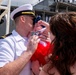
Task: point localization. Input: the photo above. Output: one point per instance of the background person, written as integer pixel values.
(63, 59)
(39, 58)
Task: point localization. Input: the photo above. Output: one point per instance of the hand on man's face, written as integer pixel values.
(40, 25)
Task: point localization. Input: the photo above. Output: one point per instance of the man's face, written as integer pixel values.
(29, 22)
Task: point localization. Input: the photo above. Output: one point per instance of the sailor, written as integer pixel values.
(14, 53)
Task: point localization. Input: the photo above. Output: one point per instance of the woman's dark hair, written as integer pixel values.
(63, 27)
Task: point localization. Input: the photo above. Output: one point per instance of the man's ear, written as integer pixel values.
(22, 18)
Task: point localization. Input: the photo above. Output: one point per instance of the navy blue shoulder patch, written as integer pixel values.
(4, 36)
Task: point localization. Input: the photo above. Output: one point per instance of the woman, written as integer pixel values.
(63, 59)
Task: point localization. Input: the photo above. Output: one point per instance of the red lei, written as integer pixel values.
(41, 52)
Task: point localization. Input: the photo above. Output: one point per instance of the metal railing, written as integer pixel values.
(6, 13)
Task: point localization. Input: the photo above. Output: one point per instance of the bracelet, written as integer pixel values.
(40, 68)
(32, 71)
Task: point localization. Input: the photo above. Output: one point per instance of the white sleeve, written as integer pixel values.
(6, 52)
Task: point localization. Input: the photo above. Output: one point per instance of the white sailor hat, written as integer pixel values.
(26, 9)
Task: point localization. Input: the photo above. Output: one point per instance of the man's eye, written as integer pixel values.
(42, 26)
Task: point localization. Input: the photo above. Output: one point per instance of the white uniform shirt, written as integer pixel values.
(11, 48)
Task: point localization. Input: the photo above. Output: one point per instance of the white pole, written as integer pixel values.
(8, 17)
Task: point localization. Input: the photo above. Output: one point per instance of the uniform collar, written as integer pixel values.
(17, 36)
